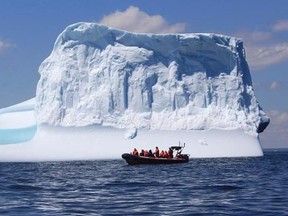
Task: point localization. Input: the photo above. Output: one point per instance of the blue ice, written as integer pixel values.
(18, 135)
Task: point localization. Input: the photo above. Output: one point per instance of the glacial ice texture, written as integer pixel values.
(97, 75)
(17, 123)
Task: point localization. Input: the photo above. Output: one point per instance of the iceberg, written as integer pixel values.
(103, 91)
(17, 123)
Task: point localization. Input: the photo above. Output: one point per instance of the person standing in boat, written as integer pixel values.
(170, 153)
(156, 153)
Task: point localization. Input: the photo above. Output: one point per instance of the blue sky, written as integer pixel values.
(29, 28)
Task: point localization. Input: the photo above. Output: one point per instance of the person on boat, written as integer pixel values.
(161, 155)
(146, 153)
(150, 153)
(156, 153)
(170, 153)
(166, 154)
(135, 152)
(142, 152)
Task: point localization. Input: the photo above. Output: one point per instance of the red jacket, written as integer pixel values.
(135, 152)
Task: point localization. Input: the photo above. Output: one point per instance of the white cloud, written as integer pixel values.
(281, 26)
(261, 56)
(4, 45)
(138, 21)
(255, 36)
(261, 47)
(278, 118)
(274, 85)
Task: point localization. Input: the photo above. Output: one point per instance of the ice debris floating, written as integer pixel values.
(102, 77)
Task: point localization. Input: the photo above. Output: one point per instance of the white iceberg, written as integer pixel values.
(103, 91)
(17, 123)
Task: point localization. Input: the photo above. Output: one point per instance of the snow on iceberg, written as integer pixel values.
(106, 87)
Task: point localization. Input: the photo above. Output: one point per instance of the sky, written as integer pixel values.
(29, 28)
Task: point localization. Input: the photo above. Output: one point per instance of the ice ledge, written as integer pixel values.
(97, 142)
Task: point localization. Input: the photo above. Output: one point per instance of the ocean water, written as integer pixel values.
(234, 186)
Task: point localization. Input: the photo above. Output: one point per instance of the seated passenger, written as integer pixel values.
(142, 152)
(150, 153)
(161, 155)
(135, 152)
(166, 154)
(146, 153)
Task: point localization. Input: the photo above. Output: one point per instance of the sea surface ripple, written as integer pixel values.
(224, 186)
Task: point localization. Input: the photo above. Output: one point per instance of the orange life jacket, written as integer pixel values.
(166, 154)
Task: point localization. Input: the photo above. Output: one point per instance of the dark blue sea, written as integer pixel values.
(235, 186)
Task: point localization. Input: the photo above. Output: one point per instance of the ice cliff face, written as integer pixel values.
(100, 75)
